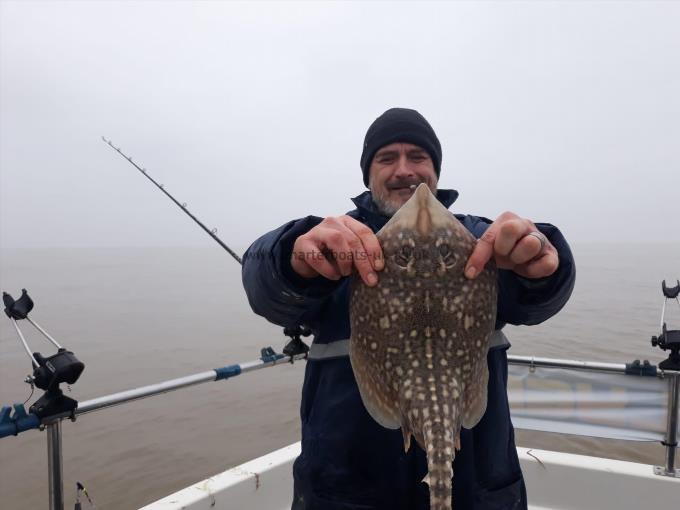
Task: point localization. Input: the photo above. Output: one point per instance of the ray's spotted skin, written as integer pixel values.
(420, 337)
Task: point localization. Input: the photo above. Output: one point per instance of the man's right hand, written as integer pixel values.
(335, 247)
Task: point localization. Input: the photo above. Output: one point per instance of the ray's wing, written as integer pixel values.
(366, 353)
(474, 404)
(378, 400)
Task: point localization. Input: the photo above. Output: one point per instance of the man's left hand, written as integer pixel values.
(516, 244)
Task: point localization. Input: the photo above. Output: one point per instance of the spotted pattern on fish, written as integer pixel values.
(420, 337)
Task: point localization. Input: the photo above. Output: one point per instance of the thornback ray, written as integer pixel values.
(420, 336)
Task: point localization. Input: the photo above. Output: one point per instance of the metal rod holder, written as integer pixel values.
(671, 441)
(24, 343)
(55, 465)
(53, 428)
(45, 333)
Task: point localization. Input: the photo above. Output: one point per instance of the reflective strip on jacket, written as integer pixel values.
(348, 461)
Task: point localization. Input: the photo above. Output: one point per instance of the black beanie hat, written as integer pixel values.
(400, 125)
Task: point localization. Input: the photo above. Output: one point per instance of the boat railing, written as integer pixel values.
(15, 419)
(20, 421)
(626, 401)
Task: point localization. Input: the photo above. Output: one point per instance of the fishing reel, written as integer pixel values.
(669, 339)
(49, 371)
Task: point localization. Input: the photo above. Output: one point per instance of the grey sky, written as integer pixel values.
(255, 113)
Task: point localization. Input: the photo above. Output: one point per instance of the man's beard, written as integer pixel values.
(386, 205)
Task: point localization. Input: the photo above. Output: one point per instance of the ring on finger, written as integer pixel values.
(541, 238)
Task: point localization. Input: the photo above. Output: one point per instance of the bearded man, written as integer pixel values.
(297, 274)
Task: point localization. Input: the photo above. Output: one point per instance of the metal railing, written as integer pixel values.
(52, 424)
(670, 441)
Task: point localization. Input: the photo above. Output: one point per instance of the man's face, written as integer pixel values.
(394, 169)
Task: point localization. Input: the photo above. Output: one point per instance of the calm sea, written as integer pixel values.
(137, 316)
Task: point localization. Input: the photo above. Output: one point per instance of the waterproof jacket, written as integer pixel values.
(350, 462)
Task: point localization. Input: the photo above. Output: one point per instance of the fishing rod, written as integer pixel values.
(295, 346)
(183, 206)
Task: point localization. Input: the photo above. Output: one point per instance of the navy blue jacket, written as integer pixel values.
(348, 461)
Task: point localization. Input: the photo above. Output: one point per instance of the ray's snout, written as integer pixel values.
(430, 213)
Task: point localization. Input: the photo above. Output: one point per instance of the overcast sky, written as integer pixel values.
(255, 113)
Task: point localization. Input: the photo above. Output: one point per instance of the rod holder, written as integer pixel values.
(671, 441)
(55, 465)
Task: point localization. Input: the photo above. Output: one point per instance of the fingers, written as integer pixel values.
(361, 261)
(334, 247)
(366, 251)
(528, 248)
(513, 243)
(543, 266)
(308, 260)
(337, 247)
(482, 253)
(497, 242)
(369, 242)
(509, 233)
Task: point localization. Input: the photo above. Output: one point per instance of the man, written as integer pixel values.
(297, 275)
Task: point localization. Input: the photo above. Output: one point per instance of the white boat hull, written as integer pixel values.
(555, 481)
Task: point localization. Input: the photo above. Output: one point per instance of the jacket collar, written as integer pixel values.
(370, 212)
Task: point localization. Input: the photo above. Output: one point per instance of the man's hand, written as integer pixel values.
(516, 244)
(334, 247)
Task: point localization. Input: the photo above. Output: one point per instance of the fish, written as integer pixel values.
(419, 338)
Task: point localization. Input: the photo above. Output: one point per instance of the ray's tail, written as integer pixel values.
(440, 449)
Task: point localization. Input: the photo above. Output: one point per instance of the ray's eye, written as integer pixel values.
(404, 255)
(448, 258)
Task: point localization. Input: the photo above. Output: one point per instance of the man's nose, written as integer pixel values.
(403, 167)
